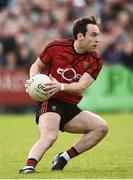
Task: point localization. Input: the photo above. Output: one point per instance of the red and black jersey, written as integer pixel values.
(67, 66)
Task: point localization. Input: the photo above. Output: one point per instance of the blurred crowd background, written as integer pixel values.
(26, 26)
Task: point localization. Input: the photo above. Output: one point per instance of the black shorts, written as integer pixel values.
(65, 110)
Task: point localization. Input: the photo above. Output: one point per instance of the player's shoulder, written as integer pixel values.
(61, 42)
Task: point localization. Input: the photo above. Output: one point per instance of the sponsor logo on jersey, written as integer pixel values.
(69, 74)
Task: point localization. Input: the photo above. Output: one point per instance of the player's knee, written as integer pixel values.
(51, 139)
(103, 128)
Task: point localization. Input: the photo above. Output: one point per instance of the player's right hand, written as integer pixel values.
(27, 83)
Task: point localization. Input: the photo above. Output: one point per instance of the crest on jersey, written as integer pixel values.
(85, 64)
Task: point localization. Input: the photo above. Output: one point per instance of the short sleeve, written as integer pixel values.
(46, 55)
(95, 68)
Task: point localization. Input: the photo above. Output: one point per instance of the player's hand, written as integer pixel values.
(27, 83)
(53, 87)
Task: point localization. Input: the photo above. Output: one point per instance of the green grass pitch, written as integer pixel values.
(110, 159)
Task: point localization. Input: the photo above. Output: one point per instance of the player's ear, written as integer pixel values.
(80, 36)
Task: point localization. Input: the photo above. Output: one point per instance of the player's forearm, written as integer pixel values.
(77, 87)
(34, 70)
(74, 88)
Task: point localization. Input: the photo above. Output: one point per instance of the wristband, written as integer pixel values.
(61, 86)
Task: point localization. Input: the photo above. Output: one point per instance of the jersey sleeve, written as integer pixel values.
(95, 68)
(46, 54)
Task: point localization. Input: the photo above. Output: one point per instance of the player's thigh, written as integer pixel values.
(49, 123)
(83, 122)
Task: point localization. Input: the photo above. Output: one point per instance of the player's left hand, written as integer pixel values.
(53, 86)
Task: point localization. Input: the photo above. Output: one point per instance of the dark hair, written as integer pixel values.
(79, 26)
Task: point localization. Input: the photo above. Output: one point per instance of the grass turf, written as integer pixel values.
(110, 159)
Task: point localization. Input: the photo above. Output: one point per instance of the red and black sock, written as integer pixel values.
(72, 152)
(31, 162)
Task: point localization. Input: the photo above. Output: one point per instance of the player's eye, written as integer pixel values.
(94, 35)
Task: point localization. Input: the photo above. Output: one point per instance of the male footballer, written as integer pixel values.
(73, 65)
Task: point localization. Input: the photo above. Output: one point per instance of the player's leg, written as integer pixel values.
(91, 125)
(94, 129)
(48, 128)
